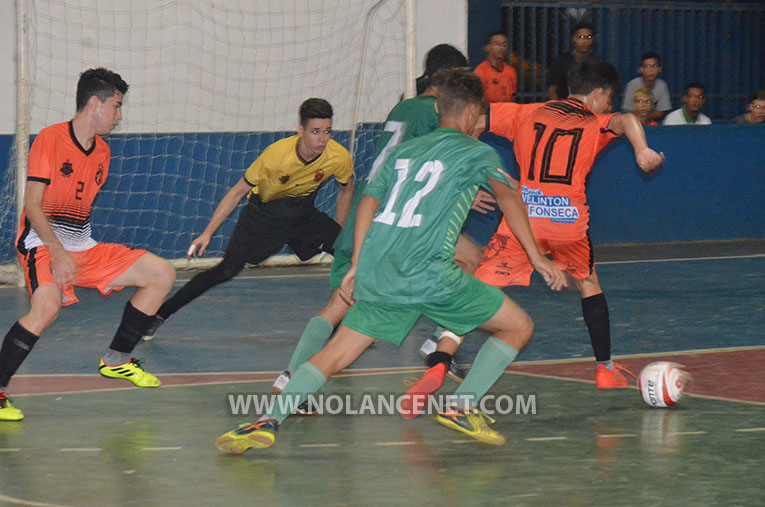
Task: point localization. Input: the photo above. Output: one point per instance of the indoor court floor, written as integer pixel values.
(87, 440)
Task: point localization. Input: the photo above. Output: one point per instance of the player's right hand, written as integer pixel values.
(483, 202)
(62, 267)
(346, 286)
(552, 274)
(198, 246)
(648, 160)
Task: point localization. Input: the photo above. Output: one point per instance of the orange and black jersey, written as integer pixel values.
(555, 144)
(73, 177)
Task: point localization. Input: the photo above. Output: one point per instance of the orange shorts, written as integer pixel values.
(505, 261)
(97, 268)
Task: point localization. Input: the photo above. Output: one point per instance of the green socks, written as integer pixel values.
(490, 362)
(306, 381)
(311, 341)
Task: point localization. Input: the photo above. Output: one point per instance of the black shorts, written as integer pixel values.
(264, 227)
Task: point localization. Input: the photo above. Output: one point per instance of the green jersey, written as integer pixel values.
(425, 190)
(411, 118)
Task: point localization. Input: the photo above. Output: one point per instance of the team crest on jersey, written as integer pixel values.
(284, 179)
(100, 174)
(67, 169)
(318, 175)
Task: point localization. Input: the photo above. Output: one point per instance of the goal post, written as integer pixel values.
(211, 85)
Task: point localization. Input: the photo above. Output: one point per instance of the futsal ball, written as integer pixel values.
(662, 383)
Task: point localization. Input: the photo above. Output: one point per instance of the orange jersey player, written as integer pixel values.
(68, 164)
(556, 144)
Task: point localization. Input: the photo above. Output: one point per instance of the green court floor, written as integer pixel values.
(581, 447)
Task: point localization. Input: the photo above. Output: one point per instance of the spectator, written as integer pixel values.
(650, 68)
(756, 110)
(499, 78)
(582, 37)
(690, 114)
(643, 107)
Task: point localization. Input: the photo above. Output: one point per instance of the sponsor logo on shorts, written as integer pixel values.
(556, 208)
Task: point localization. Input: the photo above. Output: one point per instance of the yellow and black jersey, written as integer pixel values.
(279, 172)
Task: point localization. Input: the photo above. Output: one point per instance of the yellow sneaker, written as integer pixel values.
(260, 435)
(131, 371)
(471, 422)
(7, 411)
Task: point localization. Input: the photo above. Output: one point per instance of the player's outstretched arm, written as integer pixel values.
(516, 216)
(228, 204)
(62, 266)
(628, 124)
(344, 199)
(365, 213)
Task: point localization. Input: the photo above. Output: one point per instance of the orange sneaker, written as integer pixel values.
(416, 398)
(611, 379)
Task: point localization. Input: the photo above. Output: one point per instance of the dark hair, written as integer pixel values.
(100, 82)
(314, 108)
(648, 55)
(695, 84)
(758, 95)
(440, 57)
(457, 88)
(580, 25)
(495, 33)
(590, 73)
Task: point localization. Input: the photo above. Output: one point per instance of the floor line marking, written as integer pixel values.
(394, 443)
(676, 433)
(80, 449)
(10, 449)
(618, 435)
(682, 259)
(19, 501)
(463, 441)
(544, 439)
(177, 448)
(310, 446)
(749, 430)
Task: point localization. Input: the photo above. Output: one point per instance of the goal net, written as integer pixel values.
(212, 83)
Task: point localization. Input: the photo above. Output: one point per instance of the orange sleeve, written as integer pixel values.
(505, 117)
(606, 135)
(40, 158)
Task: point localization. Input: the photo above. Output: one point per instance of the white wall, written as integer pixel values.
(440, 21)
(220, 65)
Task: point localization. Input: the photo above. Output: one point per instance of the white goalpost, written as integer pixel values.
(212, 83)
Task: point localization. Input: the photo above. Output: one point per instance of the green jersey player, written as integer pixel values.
(407, 224)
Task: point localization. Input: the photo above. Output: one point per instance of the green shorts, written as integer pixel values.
(340, 266)
(461, 313)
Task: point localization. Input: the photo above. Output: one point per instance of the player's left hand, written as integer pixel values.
(483, 202)
(552, 274)
(346, 286)
(648, 160)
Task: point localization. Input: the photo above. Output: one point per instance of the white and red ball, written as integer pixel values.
(662, 383)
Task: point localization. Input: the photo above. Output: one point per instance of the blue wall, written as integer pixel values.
(162, 189)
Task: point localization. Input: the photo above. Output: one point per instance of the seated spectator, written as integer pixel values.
(755, 110)
(582, 38)
(650, 68)
(499, 78)
(643, 107)
(690, 114)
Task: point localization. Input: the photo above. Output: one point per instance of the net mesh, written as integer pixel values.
(211, 85)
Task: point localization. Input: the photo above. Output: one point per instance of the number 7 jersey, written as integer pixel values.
(73, 177)
(555, 144)
(425, 190)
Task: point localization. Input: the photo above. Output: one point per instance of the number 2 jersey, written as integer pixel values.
(73, 177)
(425, 190)
(555, 144)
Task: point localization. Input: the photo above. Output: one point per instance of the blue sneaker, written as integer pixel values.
(260, 435)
